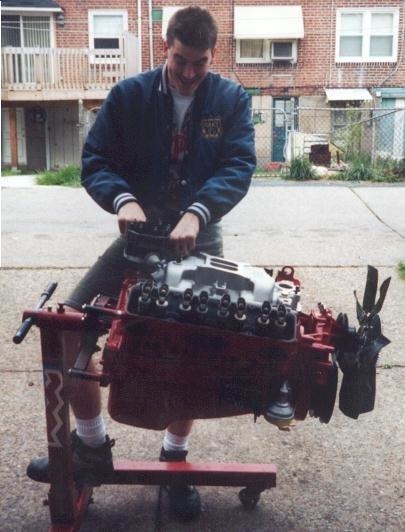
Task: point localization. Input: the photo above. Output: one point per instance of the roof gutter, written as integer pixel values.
(19, 9)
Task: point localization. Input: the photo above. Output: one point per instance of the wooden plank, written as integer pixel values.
(13, 137)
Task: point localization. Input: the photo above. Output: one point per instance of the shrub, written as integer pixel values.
(67, 177)
(389, 169)
(401, 269)
(360, 170)
(301, 169)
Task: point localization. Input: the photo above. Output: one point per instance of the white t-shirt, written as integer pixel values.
(181, 105)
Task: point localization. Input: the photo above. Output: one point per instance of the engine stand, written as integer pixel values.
(67, 501)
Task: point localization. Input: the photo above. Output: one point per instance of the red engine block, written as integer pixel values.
(161, 370)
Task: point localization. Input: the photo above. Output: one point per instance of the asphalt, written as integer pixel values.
(343, 476)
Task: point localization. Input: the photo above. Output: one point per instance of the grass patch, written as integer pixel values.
(401, 269)
(66, 177)
(7, 172)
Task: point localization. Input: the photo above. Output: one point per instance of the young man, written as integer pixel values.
(175, 144)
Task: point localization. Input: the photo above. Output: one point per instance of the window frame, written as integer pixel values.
(94, 12)
(294, 47)
(267, 57)
(254, 60)
(23, 14)
(367, 34)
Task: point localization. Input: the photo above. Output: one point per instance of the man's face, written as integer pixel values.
(187, 66)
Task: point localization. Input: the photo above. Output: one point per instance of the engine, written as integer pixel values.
(207, 337)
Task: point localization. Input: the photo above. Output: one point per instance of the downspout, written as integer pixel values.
(139, 24)
(331, 48)
(151, 60)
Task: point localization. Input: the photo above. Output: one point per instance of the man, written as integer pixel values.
(175, 145)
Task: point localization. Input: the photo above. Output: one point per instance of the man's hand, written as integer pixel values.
(130, 212)
(184, 235)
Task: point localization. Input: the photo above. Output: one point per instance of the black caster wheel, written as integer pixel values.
(249, 498)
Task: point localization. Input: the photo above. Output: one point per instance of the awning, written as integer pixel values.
(268, 22)
(390, 92)
(30, 5)
(344, 95)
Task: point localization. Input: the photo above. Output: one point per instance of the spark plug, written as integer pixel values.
(186, 304)
(263, 320)
(223, 308)
(145, 301)
(281, 320)
(240, 313)
(162, 294)
(202, 306)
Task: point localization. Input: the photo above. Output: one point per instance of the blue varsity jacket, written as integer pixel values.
(127, 152)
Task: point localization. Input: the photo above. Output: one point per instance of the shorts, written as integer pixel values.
(107, 274)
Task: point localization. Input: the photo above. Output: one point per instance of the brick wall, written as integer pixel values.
(315, 69)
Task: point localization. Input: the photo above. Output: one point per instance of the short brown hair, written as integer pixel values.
(193, 26)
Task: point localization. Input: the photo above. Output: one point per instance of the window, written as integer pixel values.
(106, 28)
(265, 51)
(32, 31)
(253, 51)
(367, 35)
(25, 31)
(283, 51)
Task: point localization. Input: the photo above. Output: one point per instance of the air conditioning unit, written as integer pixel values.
(284, 51)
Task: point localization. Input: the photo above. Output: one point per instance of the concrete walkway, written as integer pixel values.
(326, 224)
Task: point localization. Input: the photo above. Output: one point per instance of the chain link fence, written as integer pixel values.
(333, 138)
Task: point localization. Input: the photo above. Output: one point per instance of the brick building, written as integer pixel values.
(59, 59)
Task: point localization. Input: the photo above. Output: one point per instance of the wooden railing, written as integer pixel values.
(60, 69)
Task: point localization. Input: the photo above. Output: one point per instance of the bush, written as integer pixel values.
(66, 177)
(360, 170)
(401, 269)
(389, 169)
(301, 169)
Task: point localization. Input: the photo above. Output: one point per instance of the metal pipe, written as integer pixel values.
(151, 60)
(139, 25)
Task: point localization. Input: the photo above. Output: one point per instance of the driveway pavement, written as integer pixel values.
(346, 475)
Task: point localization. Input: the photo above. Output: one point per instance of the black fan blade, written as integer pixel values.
(370, 290)
(372, 349)
(357, 392)
(361, 315)
(383, 292)
(373, 341)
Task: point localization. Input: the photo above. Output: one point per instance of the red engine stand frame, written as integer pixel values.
(67, 503)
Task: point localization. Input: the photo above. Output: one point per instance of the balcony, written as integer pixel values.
(61, 73)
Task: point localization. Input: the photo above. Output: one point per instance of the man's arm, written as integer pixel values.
(184, 235)
(104, 156)
(130, 212)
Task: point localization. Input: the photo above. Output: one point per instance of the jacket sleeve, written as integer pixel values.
(102, 158)
(231, 180)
